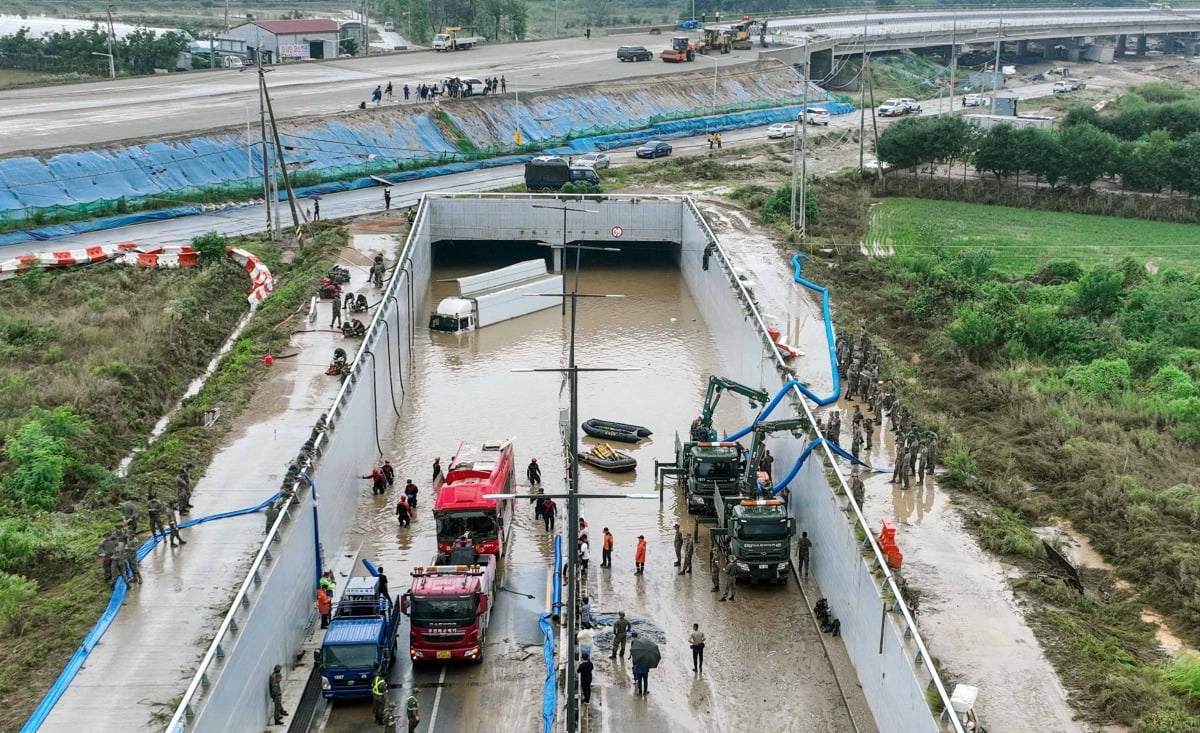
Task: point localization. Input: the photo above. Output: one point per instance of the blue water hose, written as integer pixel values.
(550, 686)
(808, 451)
(56, 691)
(831, 342)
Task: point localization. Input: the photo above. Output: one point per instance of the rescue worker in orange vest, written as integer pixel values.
(606, 550)
(324, 605)
(639, 555)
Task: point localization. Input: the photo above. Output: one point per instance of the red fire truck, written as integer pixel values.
(449, 607)
(461, 509)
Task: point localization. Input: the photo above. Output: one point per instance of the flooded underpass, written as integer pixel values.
(765, 665)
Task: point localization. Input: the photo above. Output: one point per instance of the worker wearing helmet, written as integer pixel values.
(534, 473)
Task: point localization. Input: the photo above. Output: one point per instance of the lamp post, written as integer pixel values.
(799, 210)
(112, 66)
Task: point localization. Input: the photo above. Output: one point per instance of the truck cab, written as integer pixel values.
(453, 315)
(361, 636)
(449, 607)
(709, 467)
(551, 173)
(759, 535)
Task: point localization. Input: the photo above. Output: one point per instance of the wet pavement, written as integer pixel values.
(763, 658)
(151, 650)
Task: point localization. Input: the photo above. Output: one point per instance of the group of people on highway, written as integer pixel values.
(118, 548)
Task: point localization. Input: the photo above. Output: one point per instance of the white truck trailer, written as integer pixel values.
(454, 39)
(498, 295)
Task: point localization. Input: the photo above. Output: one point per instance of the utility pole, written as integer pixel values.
(953, 58)
(366, 22)
(287, 185)
(262, 126)
(862, 104)
(998, 75)
(112, 33)
(798, 209)
(226, 16)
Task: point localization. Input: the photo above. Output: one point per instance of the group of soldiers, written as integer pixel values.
(916, 448)
(118, 549)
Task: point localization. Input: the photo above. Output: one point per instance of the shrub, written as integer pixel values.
(210, 246)
(961, 465)
(1187, 413)
(1098, 293)
(1105, 378)
(1171, 383)
(977, 331)
(15, 593)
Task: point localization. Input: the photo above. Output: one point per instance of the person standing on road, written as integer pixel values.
(406, 92)
(606, 549)
(276, 689)
(639, 555)
(379, 694)
(586, 637)
(324, 606)
(391, 719)
(503, 85)
(387, 199)
(587, 33)
(129, 512)
(402, 514)
(641, 675)
(802, 548)
(376, 96)
(620, 631)
(272, 514)
(388, 89)
(316, 209)
(585, 678)
(173, 522)
(714, 567)
(389, 472)
(689, 549)
(410, 493)
(549, 514)
(378, 484)
(678, 546)
(336, 319)
(154, 511)
(585, 556)
(437, 471)
(534, 473)
(730, 579)
(696, 640)
(412, 708)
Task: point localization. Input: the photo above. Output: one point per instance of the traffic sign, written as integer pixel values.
(617, 232)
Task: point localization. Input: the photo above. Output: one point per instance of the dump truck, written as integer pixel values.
(361, 635)
(547, 173)
(454, 38)
(682, 49)
(715, 40)
(449, 606)
(496, 295)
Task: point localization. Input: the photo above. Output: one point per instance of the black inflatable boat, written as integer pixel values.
(618, 431)
(606, 459)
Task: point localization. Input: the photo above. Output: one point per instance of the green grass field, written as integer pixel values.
(1023, 239)
(13, 77)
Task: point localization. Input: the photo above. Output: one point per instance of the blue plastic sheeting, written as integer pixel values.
(808, 451)
(55, 693)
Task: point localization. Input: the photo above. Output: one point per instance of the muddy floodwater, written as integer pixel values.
(765, 667)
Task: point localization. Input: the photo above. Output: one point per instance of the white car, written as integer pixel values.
(893, 108)
(786, 129)
(974, 100)
(913, 105)
(816, 116)
(594, 160)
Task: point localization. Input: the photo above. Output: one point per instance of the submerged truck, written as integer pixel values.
(449, 606)
(361, 635)
(546, 173)
(497, 295)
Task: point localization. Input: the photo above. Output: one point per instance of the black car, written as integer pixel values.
(653, 149)
(634, 53)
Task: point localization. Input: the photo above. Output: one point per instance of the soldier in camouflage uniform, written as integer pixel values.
(154, 511)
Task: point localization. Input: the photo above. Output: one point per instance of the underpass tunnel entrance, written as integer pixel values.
(470, 256)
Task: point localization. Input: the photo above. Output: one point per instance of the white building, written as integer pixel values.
(312, 38)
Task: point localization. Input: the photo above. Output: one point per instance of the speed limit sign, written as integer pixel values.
(617, 232)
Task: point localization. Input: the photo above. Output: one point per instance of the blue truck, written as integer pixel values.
(361, 634)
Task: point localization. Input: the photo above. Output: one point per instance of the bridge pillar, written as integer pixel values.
(1022, 48)
(820, 64)
(1189, 46)
(1141, 45)
(1048, 49)
(1073, 54)
(1120, 47)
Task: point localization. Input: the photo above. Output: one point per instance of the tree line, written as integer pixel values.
(139, 52)
(1148, 146)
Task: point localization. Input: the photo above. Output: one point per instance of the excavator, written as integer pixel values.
(755, 526)
(681, 50)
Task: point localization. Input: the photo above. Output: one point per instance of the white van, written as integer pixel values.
(815, 116)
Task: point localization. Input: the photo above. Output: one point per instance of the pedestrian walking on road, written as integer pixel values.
(585, 612)
(678, 546)
(503, 85)
(696, 640)
(730, 579)
(645, 656)
(410, 493)
(402, 513)
(534, 473)
(379, 694)
(276, 689)
(620, 631)
(336, 320)
(173, 522)
(378, 486)
(406, 92)
(376, 97)
(689, 549)
(585, 678)
(587, 33)
(606, 549)
(437, 471)
(272, 514)
(412, 708)
(389, 472)
(387, 199)
(154, 511)
(390, 720)
(129, 512)
(639, 555)
(585, 556)
(549, 514)
(714, 567)
(802, 548)
(388, 89)
(316, 209)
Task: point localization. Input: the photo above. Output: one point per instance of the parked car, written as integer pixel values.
(594, 160)
(653, 149)
(389, 26)
(1068, 85)
(911, 104)
(974, 100)
(785, 129)
(893, 108)
(634, 53)
(816, 116)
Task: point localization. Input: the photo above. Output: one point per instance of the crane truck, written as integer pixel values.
(755, 527)
(452, 38)
(703, 463)
(361, 636)
(449, 606)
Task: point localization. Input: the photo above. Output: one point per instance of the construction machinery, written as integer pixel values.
(682, 49)
(702, 427)
(455, 38)
(716, 39)
(741, 34)
(754, 526)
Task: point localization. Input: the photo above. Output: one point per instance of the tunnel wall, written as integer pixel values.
(893, 685)
(229, 692)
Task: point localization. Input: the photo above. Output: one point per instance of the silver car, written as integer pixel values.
(594, 160)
